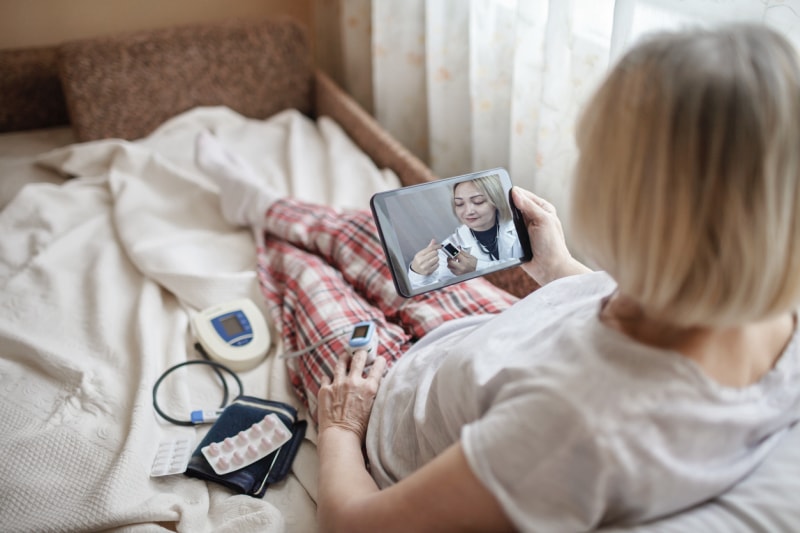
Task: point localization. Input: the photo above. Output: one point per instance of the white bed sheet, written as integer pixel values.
(18, 151)
(98, 277)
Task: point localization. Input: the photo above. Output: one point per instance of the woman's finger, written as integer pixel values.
(340, 371)
(532, 207)
(377, 370)
(357, 363)
(544, 204)
(529, 208)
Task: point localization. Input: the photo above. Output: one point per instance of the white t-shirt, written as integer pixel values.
(569, 423)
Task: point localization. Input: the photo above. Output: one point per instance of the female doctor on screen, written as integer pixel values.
(486, 234)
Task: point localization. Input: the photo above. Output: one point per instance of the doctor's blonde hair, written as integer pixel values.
(492, 189)
(687, 187)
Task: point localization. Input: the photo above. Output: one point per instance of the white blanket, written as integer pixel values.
(98, 278)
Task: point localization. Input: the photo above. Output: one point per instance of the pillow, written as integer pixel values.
(30, 91)
(125, 86)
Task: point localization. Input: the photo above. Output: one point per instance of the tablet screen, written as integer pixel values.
(450, 230)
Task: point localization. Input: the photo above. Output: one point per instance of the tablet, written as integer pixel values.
(450, 230)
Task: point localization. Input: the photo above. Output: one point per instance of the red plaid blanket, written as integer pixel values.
(321, 270)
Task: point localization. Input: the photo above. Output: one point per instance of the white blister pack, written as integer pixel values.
(247, 446)
(172, 457)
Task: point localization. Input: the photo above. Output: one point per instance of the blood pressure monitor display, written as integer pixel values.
(233, 333)
(232, 326)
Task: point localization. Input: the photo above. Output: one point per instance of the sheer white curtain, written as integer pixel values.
(474, 84)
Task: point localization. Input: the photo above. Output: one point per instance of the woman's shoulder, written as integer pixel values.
(578, 287)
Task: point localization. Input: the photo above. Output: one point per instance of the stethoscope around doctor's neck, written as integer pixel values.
(488, 240)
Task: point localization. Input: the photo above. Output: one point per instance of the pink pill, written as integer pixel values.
(227, 444)
(255, 431)
(237, 458)
(213, 449)
(241, 438)
(268, 422)
(251, 451)
(265, 443)
(222, 464)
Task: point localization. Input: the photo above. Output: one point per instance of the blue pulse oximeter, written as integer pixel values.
(363, 338)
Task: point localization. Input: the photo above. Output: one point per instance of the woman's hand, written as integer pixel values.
(551, 257)
(463, 263)
(426, 261)
(442, 494)
(347, 401)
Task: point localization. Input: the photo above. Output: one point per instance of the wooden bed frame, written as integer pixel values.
(125, 86)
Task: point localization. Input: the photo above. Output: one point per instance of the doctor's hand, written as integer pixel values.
(346, 402)
(463, 263)
(426, 261)
(551, 257)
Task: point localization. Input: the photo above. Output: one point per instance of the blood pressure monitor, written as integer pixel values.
(234, 334)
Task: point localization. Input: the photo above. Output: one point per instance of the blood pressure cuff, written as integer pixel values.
(253, 479)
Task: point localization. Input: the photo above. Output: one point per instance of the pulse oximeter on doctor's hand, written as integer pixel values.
(363, 338)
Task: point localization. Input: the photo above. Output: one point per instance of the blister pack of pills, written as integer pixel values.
(172, 457)
(247, 446)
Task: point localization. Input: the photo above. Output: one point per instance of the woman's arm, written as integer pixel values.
(444, 495)
(551, 257)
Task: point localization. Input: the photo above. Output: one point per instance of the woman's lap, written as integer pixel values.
(322, 270)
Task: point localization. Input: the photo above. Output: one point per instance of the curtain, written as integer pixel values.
(469, 85)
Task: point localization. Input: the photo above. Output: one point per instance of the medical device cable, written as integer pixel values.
(198, 416)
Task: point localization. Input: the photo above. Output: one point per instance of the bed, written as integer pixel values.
(112, 238)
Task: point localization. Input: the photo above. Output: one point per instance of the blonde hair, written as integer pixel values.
(492, 189)
(687, 187)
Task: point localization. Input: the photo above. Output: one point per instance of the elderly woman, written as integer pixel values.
(610, 397)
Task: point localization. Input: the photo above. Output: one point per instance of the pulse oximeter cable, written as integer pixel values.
(317, 344)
